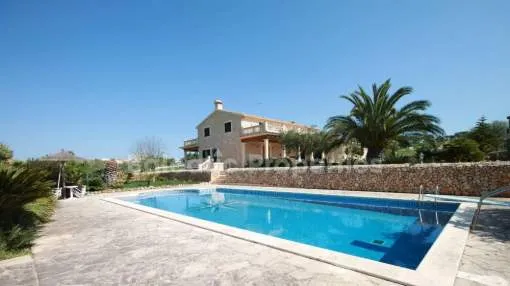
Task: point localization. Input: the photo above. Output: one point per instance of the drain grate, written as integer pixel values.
(378, 241)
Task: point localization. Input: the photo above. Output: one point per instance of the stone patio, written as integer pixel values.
(93, 242)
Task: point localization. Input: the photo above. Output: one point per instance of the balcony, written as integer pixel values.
(269, 128)
(191, 144)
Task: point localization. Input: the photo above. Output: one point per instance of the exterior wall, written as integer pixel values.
(227, 144)
(453, 178)
(275, 150)
(254, 150)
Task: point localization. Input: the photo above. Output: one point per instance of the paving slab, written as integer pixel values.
(486, 258)
(18, 271)
(93, 242)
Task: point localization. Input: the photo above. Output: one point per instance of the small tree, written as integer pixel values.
(489, 136)
(461, 149)
(323, 142)
(291, 140)
(307, 143)
(353, 151)
(5, 153)
(149, 152)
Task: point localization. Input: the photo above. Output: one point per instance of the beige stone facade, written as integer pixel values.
(235, 138)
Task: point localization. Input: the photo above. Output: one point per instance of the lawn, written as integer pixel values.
(157, 183)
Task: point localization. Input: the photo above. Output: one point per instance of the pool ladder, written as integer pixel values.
(421, 195)
(422, 192)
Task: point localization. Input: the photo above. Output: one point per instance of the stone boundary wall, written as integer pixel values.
(191, 175)
(467, 179)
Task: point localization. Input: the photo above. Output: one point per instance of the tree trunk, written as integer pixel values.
(373, 154)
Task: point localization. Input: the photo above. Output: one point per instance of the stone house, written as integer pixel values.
(234, 139)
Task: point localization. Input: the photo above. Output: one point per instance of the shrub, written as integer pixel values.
(16, 238)
(280, 162)
(129, 176)
(26, 200)
(5, 153)
(74, 172)
(49, 168)
(95, 183)
(401, 155)
(283, 162)
(255, 163)
(19, 186)
(461, 150)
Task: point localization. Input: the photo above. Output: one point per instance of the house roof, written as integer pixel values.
(257, 118)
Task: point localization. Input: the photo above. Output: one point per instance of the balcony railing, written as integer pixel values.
(268, 127)
(191, 142)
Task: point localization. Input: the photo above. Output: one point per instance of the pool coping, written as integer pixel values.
(438, 267)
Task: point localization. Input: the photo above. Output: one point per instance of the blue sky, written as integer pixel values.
(95, 76)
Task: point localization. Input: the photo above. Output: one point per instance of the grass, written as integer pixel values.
(16, 240)
(8, 254)
(157, 183)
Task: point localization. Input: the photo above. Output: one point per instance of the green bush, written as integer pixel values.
(282, 162)
(401, 155)
(95, 183)
(5, 153)
(49, 168)
(461, 150)
(26, 201)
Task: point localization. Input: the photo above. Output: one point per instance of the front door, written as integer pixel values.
(214, 155)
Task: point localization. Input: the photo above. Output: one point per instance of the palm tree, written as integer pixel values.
(375, 120)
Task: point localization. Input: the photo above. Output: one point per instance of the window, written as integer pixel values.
(207, 132)
(206, 153)
(228, 127)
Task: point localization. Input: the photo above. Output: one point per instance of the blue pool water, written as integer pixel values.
(398, 232)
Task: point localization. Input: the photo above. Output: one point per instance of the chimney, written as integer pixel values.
(218, 104)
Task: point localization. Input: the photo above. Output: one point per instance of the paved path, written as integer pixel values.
(92, 242)
(486, 259)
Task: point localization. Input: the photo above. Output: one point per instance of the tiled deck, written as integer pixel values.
(94, 242)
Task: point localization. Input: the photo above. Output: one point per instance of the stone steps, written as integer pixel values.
(221, 179)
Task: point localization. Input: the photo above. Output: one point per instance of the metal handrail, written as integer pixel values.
(421, 195)
(484, 196)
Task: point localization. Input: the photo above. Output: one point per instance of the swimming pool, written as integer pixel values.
(396, 232)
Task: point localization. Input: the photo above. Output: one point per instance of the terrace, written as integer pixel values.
(92, 241)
